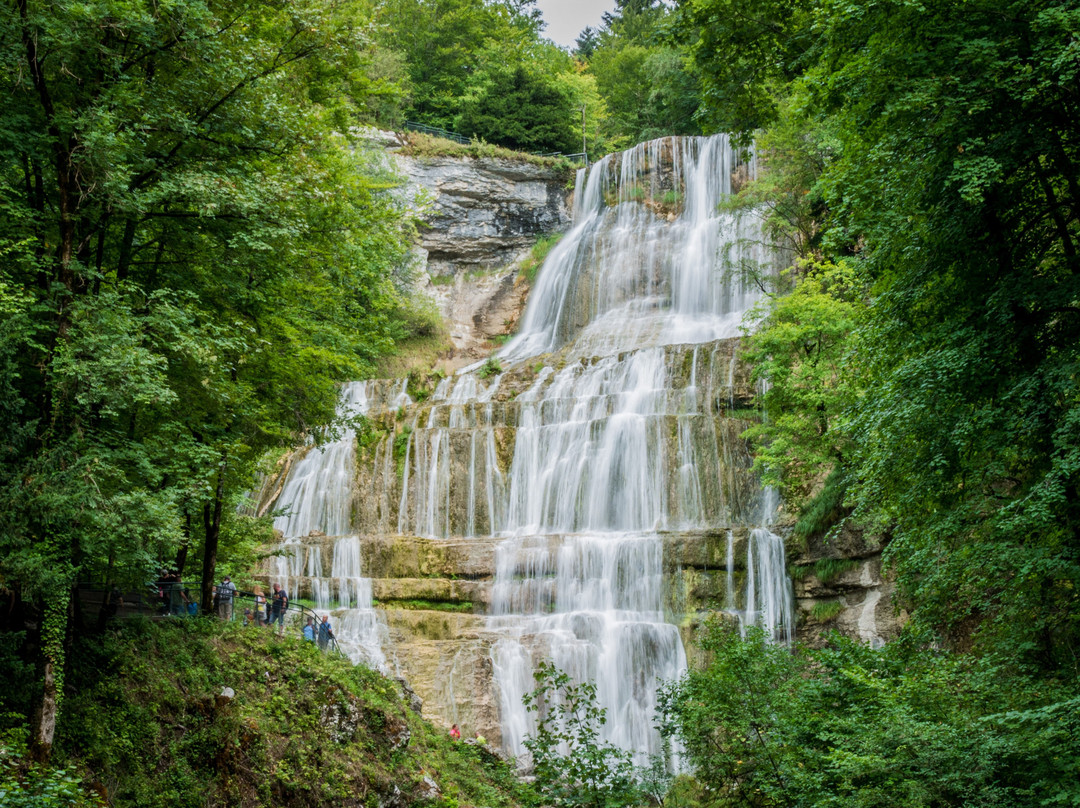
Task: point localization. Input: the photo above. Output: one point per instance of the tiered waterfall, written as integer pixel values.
(597, 463)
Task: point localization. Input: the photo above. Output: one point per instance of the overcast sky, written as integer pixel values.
(566, 18)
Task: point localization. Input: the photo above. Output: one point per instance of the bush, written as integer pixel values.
(903, 727)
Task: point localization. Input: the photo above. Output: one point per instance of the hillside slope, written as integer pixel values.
(146, 725)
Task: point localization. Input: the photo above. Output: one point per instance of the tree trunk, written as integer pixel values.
(51, 656)
(212, 526)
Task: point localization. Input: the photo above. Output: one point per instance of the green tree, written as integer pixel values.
(167, 232)
(801, 351)
(445, 44)
(848, 725)
(522, 111)
(573, 767)
(940, 159)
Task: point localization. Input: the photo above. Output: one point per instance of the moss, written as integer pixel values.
(797, 572)
(401, 447)
(428, 605)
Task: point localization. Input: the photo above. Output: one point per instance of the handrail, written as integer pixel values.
(446, 134)
(438, 131)
(292, 609)
(156, 600)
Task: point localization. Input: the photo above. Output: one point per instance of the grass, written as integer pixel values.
(829, 569)
(539, 254)
(142, 724)
(422, 352)
(492, 367)
(825, 610)
(824, 511)
(424, 145)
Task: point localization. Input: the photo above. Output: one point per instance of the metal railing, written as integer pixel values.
(168, 599)
(446, 134)
(437, 131)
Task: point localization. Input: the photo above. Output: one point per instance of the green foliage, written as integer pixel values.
(29, 785)
(538, 255)
(573, 767)
(166, 230)
(924, 167)
(828, 570)
(825, 510)
(825, 610)
(401, 448)
(305, 728)
(742, 50)
(490, 368)
(801, 353)
(519, 110)
(422, 145)
(902, 727)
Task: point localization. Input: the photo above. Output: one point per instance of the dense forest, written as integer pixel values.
(197, 246)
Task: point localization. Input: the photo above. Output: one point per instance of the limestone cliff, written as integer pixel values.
(478, 220)
(589, 494)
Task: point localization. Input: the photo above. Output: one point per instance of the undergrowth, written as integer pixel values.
(824, 511)
(143, 725)
(424, 145)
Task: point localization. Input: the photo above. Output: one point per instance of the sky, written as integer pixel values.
(566, 18)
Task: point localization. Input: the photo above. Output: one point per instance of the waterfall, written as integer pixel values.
(317, 497)
(611, 434)
(619, 445)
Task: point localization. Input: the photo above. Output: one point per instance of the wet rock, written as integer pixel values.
(340, 717)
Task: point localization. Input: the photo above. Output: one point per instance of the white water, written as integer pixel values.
(620, 439)
(598, 466)
(317, 496)
(624, 276)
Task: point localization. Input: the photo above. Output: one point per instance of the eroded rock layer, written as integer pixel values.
(586, 497)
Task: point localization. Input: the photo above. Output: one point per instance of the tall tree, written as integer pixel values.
(190, 257)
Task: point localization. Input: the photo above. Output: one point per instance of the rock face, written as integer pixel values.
(479, 219)
(840, 586)
(595, 498)
(484, 212)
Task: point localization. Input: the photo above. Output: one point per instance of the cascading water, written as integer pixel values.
(606, 441)
(614, 448)
(317, 496)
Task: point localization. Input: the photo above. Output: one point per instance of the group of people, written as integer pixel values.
(479, 740)
(322, 633)
(173, 596)
(266, 612)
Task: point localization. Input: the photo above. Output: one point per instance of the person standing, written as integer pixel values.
(279, 603)
(309, 630)
(326, 633)
(260, 607)
(225, 591)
